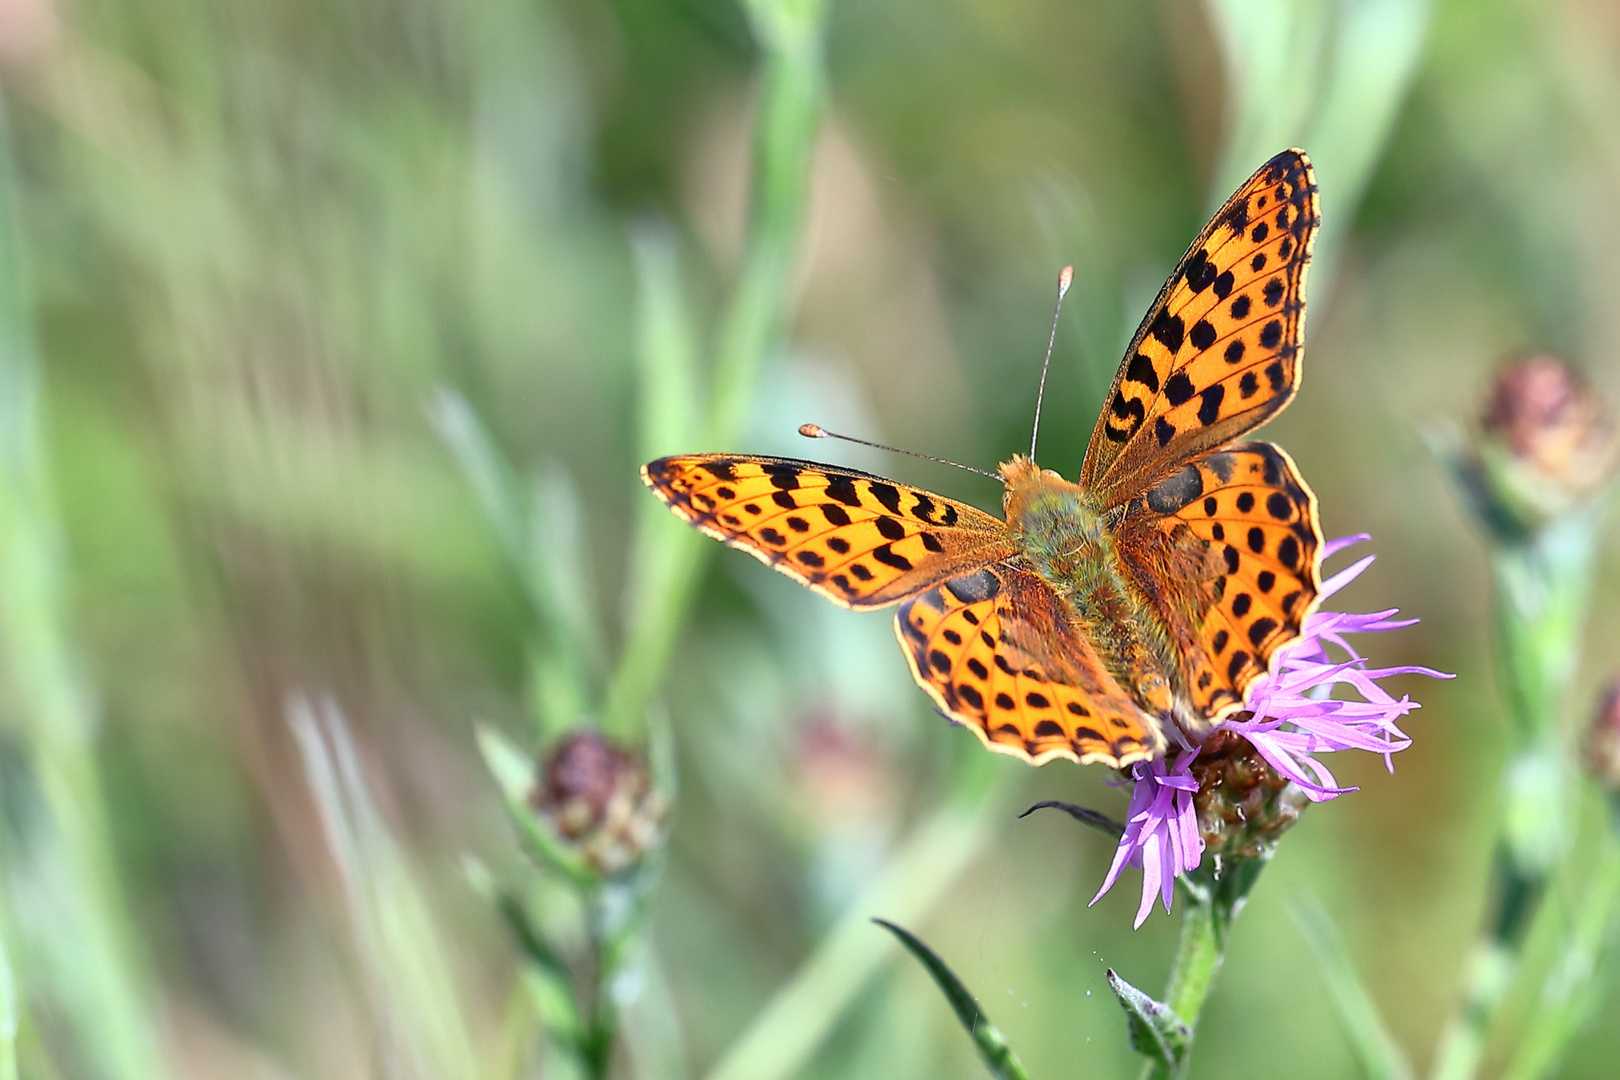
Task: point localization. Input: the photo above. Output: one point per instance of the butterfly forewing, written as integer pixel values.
(857, 539)
(1219, 351)
(1241, 527)
(999, 653)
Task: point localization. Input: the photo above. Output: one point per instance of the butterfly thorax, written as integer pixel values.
(1067, 538)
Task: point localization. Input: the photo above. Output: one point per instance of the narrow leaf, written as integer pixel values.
(1099, 821)
(514, 773)
(1379, 1056)
(998, 1056)
(1157, 1033)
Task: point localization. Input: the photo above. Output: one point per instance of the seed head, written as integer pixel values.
(1243, 804)
(597, 796)
(1547, 440)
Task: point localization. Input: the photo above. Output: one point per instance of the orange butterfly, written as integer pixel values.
(1098, 618)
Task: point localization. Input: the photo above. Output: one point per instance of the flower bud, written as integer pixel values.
(597, 796)
(1243, 804)
(1547, 441)
(1603, 740)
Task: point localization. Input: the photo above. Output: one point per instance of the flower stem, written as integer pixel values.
(789, 33)
(1574, 988)
(1213, 895)
(1198, 960)
(1541, 583)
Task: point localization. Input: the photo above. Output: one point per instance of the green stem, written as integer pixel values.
(1212, 896)
(1541, 583)
(67, 915)
(805, 1009)
(1574, 988)
(1199, 954)
(792, 86)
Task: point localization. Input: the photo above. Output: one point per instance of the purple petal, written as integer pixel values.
(1291, 719)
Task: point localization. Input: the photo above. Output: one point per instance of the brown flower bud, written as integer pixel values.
(1548, 440)
(1243, 804)
(598, 797)
(1603, 740)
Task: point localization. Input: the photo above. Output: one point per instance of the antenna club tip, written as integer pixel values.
(1065, 279)
(812, 431)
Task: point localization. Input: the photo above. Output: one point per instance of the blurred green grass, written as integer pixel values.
(261, 236)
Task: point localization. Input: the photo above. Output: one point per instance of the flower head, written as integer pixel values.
(1237, 791)
(597, 796)
(1546, 444)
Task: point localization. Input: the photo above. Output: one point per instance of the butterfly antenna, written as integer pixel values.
(816, 431)
(1064, 280)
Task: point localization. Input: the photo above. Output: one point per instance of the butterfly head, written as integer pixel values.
(1022, 471)
(1044, 507)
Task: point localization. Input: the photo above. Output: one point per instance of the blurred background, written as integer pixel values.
(280, 274)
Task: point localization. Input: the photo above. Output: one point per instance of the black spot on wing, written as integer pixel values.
(1141, 370)
(889, 557)
(784, 477)
(842, 489)
(1181, 488)
(975, 588)
(887, 494)
(1179, 388)
(1168, 330)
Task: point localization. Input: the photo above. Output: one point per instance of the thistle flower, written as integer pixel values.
(597, 797)
(1234, 793)
(1546, 444)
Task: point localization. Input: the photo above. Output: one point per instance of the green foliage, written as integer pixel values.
(1157, 1033)
(331, 337)
(1377, 1054)
(992, 1044)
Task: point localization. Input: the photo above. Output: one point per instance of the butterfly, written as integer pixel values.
(1095, 620)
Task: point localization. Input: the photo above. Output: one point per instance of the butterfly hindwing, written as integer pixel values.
(857, 539)
(1228, 552)
(999, 653)
(1219, 351)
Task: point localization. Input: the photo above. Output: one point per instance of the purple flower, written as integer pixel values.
(1292, 718)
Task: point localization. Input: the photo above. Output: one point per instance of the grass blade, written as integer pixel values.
(992, 1044)
(1377, 1053)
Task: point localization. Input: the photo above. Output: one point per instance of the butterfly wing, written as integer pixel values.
(1219, 351)
(1000, 653)
(1228, 552)
(857, 539)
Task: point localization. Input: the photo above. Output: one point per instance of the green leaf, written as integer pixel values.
(1099, 821)
(540, 534)
(514, 773)
(998, 1056)
(406, 954)
(1157, 1033)
(1379, 1056)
